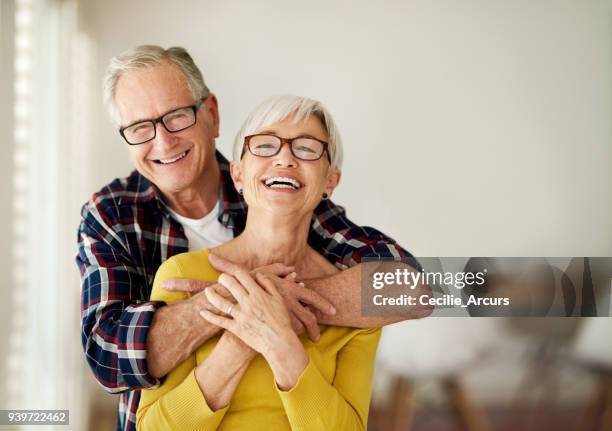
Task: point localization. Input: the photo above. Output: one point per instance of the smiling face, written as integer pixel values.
(174, 162)
(283, 182)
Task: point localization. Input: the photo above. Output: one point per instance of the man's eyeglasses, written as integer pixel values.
(173, 121)
(302, 147)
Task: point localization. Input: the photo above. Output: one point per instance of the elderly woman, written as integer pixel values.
(259, 374)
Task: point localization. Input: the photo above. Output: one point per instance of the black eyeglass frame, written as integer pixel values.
(247, 140)
(160, 119)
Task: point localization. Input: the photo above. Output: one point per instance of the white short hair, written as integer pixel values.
(277, 109)
(147, 56)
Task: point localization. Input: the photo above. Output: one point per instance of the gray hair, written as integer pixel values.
(147, 56)
(277, 109)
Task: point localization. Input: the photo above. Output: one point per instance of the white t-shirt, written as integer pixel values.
(205, 232)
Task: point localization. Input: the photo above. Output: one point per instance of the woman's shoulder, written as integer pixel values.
(192, 265)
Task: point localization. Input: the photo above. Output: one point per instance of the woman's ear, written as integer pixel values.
(236, 174)
(333, 178)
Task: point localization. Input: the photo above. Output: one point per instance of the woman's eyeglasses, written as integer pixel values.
(303, 147)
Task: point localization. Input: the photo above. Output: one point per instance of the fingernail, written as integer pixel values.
(166, 286)
(202, 314)
(293, 274)
(332, 310)
(301, 283)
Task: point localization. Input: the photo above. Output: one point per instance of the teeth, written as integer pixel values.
(282, 183)
(179, 157)
(281, 186)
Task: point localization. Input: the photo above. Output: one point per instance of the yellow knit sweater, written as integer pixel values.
(333, 392)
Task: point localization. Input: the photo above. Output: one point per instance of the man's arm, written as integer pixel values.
(344, 291)
(347, 245)
(116, 314)
(176, 331)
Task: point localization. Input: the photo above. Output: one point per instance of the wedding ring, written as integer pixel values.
(229, 310)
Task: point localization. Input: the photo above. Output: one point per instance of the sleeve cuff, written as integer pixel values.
(190, 403)
(307, 399)
(185, 407)
(133, 331)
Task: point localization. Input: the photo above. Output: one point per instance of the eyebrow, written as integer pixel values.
(303, 135)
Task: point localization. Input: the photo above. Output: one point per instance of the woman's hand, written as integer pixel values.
(259, 318)
(300, 301)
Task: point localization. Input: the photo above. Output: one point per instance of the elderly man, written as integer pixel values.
(180, 198)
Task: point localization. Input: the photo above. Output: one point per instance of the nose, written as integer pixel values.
(163, 137)
(285, 158)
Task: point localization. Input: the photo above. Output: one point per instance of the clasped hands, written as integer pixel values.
(271, 291)
(266, 309)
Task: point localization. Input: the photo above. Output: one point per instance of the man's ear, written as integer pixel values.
(236, 174)
(212, 108)
(333, 178)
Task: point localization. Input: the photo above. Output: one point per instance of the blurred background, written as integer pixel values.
(472, 128)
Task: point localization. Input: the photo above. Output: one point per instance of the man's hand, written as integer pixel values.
(195, 286)
(295, 295)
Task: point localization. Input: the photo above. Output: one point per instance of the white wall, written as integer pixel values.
(479, 127)
(473, 128)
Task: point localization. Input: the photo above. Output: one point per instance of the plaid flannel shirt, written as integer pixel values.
(126, 232)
